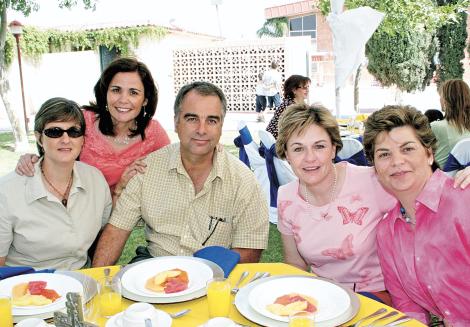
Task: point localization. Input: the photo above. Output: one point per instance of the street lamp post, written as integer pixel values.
(16, 28)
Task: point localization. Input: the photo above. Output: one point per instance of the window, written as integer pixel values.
(305, 25)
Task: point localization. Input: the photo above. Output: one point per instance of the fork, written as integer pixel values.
(398, 321)
(372, 315)
(242, 277)
(388, 315)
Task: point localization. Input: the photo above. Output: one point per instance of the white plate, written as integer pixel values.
(243, 306)
(60, 283)
(163, 318)
(135, 278)
(216, 272)
(332, 301)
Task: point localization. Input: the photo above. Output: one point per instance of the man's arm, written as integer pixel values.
(2, 261)
(110, 246)
(248, 255)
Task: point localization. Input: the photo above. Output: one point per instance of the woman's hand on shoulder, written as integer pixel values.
(462, 178)
(25, 165)
(138, 166)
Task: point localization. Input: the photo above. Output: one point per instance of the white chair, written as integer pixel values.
(279, 172)
(352, 152)
(249, 154)
(459, 157)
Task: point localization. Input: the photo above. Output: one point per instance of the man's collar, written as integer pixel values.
(175, 163)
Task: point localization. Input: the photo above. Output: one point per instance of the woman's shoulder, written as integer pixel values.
(88, 171)
(288, 190)
(439, 124)
(359, 172)
(156, 133)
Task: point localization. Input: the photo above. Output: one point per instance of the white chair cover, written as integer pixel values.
(459, 157)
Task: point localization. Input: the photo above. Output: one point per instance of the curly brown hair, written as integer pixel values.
(390, 117)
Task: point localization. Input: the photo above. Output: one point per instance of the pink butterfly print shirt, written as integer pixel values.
(338, 241)
(428, 269)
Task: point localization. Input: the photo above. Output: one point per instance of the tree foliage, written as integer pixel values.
(452, 41)
(274, 27)
(401, 50)
(36, 42)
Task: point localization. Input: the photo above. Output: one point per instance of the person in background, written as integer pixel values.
(191, 195)
(423, 242)
(455, 102)
(296, 89)
(260, 98)
(433, 115)
(50, 220)
(272, 80)
(120, 130)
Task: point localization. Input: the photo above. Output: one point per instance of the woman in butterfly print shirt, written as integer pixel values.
(328, 217)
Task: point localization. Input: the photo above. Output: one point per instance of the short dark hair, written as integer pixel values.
(202, 88)
(54, 110)
(433, 115)
(390, 117)
(294, 82)
(124, 65)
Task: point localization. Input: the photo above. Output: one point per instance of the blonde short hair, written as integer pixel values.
(298, 117)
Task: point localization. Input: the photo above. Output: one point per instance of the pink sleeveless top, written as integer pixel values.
(99, 152)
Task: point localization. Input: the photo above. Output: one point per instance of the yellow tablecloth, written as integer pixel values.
(199, 313)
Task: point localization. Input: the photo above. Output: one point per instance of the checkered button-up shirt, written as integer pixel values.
(229, 211)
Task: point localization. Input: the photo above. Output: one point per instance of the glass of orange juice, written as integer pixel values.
(218, 297)
(110, 296)
(302, 319)
(6, 316)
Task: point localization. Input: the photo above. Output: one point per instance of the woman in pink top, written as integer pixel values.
(120, 131)
(424, 242)
(328, 217)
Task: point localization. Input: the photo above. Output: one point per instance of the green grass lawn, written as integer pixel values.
(8, 160)
(272, 254)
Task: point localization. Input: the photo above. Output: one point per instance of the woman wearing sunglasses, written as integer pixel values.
(51, 219)
(120, 131)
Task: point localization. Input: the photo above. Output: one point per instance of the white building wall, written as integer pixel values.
(73, 74)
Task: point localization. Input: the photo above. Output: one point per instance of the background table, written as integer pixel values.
(199, 312)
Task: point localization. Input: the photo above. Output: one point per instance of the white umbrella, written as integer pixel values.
(351, 31)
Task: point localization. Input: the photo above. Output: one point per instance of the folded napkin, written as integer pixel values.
(226, 259)
(6, 272)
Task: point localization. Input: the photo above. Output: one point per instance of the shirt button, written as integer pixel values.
(447, 312)
(429, 287)
(418, 258)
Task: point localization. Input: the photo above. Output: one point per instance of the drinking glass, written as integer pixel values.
(302, 319)
(110, 296)
(5, 311)
(218, 297)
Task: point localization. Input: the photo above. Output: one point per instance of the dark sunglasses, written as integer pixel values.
(56, 132)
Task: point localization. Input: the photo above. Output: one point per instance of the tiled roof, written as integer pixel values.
(292, 9)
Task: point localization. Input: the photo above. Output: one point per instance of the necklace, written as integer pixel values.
(332, 194)
(406, 217)
(65, 195)
(120, 140)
